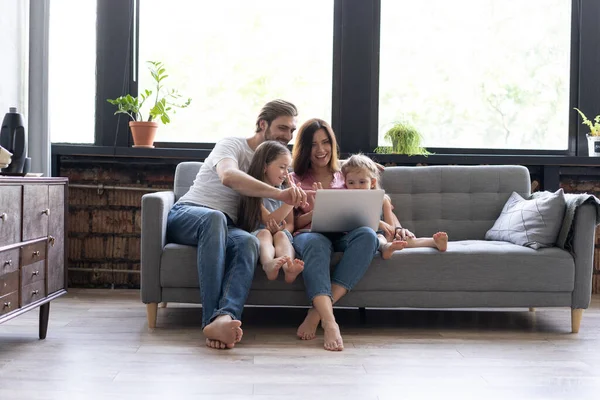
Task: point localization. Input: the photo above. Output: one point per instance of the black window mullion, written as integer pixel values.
(113, 69)
(358, 75)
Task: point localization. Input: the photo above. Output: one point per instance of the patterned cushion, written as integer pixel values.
(533, 222)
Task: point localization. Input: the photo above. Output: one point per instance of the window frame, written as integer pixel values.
(355, 81)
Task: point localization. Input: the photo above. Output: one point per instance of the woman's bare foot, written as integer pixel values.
(333, 337)
(308, 329)
(388, 249)
(441, 240)
(272, 267)
(225, 330)
(291, 269)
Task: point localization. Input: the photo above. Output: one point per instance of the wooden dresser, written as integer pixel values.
(32, 245)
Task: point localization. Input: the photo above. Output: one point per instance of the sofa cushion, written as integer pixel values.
(470, 265)
(533, 223)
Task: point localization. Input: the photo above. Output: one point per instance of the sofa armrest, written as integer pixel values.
(583, 251)
(155, 209)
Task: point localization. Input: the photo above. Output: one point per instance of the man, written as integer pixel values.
(206, 216)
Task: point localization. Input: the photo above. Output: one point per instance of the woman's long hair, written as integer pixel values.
(303, 146)
(249, 214)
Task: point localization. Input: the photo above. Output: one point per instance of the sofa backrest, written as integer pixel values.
(185, 173)
(463, 201)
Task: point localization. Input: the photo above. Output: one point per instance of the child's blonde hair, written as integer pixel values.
(360, 162)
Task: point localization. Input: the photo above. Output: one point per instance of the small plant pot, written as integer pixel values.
(593, 146)
(143, 133)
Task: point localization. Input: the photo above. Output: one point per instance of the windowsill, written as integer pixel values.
(464, 159)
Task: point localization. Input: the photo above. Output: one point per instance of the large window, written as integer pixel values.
(72, 71)
(477, 73)
(232, 56)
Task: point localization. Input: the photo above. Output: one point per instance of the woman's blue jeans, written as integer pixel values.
(359, 247)
(227, 257)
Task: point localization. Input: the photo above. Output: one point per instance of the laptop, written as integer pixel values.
(342, 210)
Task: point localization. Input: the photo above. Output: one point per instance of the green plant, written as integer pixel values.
(405, 140)
(164, 99)
(594, 126)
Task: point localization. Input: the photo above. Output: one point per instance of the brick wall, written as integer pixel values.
(104, 228)
(591, 186)
(104, 225)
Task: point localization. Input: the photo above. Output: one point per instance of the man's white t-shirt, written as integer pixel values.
(207, 189)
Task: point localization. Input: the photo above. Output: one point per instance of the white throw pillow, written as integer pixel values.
(533, 223)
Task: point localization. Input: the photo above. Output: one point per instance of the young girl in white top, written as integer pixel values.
(360, 172)
(272, 221)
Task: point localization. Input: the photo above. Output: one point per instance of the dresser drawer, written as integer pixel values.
(9, 261)
(33, 253)
(9, 283)
(10, 215)
(35, 211)
(33, 273)
(9, 303)
(33, 292)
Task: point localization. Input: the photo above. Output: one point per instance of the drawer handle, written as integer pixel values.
(46, 211)
(36, 253)
(9, 263)
(34, 292)
(7, 304)
(3, 216)
(51, 240)
(36, 273)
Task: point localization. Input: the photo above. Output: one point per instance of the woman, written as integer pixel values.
(316, 165)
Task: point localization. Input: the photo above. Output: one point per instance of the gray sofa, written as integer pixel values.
(461, 200)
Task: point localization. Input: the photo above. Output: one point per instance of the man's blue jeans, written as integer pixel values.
(359, 247)
(227, 256)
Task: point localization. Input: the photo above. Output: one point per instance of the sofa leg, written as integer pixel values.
(163, 304)
(151, 312)
(531, 309)
(576, 315)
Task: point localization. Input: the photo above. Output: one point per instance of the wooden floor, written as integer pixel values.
(98, 347)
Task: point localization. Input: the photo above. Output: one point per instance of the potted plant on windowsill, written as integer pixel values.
(405, 139)
(594, 135)
(165, 100)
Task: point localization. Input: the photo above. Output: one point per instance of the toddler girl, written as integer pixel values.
(360, 172)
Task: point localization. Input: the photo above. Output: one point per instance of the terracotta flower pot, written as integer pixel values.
(143, 133)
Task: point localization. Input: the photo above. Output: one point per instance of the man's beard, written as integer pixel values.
(269, 136)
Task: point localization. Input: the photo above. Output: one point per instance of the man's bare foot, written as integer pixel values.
(308, 329)
(441, 240)
(333, 337)
(238, 334)
(215, 344)
(272, 267)
(224, 329)
(291, 269)
(388, 249)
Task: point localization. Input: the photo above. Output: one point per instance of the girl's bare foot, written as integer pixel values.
(388, 249)
(441, 240)
(308, 329)
(225, 330)
(291, 269)
(272, 267)
(333, 337)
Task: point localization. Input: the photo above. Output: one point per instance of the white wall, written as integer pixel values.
(14, 49)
